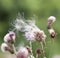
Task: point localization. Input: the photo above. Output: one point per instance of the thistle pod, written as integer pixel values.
(5, 47)
(22, 53)
(38, 51)
(52, 33)
(9, 37)
(51, 19)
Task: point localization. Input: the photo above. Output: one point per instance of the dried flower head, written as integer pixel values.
(33, 33)
(22, 53)
(9, 37)
(40, 35)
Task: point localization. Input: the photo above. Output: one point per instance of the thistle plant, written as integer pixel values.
(32, 34)
(51, 31)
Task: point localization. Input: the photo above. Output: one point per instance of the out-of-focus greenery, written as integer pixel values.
(42, 9)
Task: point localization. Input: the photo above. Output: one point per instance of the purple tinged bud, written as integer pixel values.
(22, 53)
(9, 37)
(52, 33)
(5, 47)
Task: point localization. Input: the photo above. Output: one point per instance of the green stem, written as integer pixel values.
(14, 49)
(42, 46)
(43, 54)
(51, 46)
(31, 47)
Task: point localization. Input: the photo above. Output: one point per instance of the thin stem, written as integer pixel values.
(31, 47)
(42, 46)
(37, 55)
(14, 49)
(43, 54)
(51, 46)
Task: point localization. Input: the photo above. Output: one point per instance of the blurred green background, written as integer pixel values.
(42, 9)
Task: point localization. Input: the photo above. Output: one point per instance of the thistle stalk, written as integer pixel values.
(14, 49)
(31, 48)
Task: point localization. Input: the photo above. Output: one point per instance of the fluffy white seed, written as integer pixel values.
(19, 24)
(31, 22)
(27, 28)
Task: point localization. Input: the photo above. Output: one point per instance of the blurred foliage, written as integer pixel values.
(42, 9)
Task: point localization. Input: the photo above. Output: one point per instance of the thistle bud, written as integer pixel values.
(52, 33)
(5, 47)
(51, 19)
(9, 37)
(22, 53)
(38, 51)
